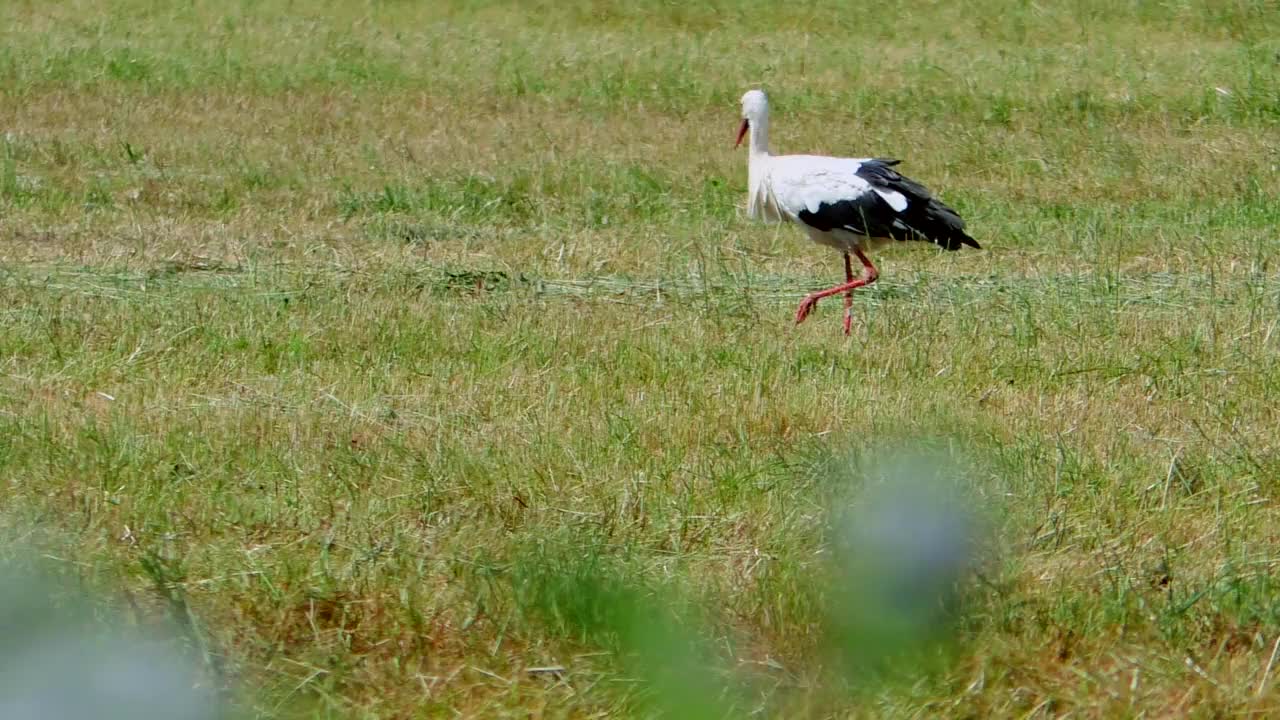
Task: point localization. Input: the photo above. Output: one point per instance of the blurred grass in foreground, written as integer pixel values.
(905, 536)
(67, 654)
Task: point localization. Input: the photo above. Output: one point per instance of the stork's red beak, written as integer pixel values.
(741, 131)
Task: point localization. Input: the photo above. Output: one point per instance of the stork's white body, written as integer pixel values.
(781, 186)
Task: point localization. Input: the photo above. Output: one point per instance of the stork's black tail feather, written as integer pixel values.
(943, 226)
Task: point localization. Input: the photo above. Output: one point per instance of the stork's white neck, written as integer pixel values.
(759, 138)
(760, 200)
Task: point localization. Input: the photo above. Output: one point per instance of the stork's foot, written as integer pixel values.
(806, 306)
(811, 301)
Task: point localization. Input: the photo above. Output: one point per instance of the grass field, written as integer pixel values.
(398, 350)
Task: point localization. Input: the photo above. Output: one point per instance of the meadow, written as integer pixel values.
(416, 359)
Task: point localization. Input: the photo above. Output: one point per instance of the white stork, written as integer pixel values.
(852, 205)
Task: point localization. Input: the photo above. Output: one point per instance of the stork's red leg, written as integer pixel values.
(869, 275)
(848, 295)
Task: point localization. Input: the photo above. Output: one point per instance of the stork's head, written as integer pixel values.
(755, 111)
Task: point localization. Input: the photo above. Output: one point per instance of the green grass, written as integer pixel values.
(393, 349)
